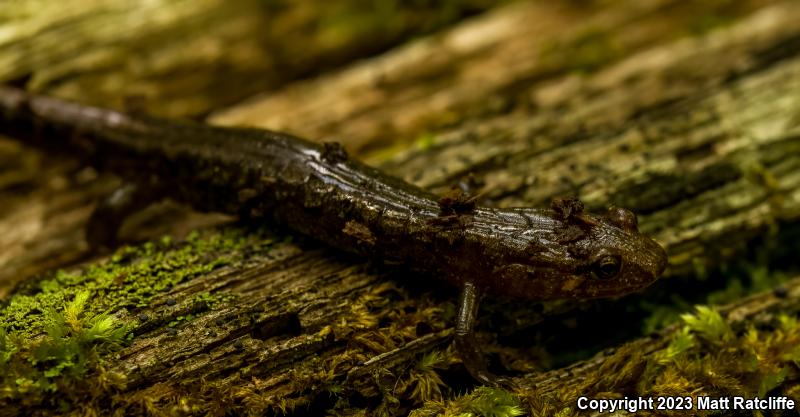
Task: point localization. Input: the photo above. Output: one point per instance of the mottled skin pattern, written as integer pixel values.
(538, 254)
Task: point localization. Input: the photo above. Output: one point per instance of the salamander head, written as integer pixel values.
(584, 256)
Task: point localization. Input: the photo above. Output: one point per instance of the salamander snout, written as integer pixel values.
(643, 259)
(583, 255)
(606, 262)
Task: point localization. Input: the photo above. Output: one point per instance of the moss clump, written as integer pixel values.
(55, 332)
(418, 384)
(73, 343)
(482, 402)
(423, 382)
(705, 356)
(209, 301)
(128, 280)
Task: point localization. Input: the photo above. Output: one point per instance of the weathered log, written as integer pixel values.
(682, 360)
(185, 58)
(699, 135)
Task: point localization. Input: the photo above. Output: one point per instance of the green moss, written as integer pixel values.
(423, 382)
(746, 278)
(129, 279)
(718, 362)
(73, 338)
(482, 402)
(708, 323)
(493, 402)
(682, 342)
(705, 356)
(74, 342)
(209, 301)
(56, 331)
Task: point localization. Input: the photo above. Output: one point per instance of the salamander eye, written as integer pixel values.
(607, 267)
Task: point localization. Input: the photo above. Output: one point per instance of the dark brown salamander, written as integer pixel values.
(316, 190)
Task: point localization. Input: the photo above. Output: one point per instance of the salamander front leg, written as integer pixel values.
(107, 218)
(467, 347)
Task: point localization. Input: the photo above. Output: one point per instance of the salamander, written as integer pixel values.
(317, 190)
